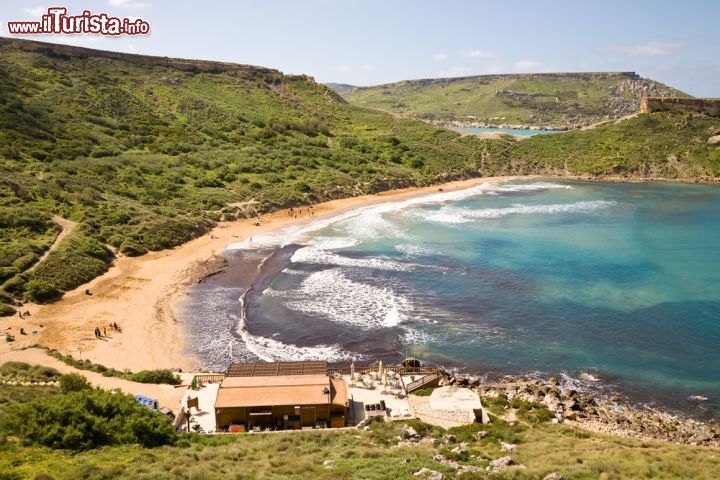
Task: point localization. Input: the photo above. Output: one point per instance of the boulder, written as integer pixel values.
(427, 474)
(553, 476)
(501, 463)
(410, 432)
(714, 140)
(480, 435)
(461, 449)
(449, 438)
(507, 447)
(329, 463)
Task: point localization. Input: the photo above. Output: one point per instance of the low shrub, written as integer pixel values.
(6, 310)
(87, 419)
(41, 291)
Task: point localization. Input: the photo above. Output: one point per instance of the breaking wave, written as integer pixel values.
(456, 215)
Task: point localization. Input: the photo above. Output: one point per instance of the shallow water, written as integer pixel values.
(618, 280)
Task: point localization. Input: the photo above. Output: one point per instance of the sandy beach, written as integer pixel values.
(139, 293)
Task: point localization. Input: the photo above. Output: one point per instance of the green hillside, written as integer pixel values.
(146, 153)
(75, 431)
(555, 99)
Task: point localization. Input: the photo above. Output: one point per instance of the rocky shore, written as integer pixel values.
(611, 416)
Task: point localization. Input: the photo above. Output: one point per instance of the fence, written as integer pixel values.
(389, 368)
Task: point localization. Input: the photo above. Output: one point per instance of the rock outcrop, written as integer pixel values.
(707, 106)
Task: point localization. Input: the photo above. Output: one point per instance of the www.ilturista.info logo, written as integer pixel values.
(56, 20)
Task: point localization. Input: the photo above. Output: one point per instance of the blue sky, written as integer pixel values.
(366, 42)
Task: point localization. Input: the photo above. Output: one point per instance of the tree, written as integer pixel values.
(74, 382)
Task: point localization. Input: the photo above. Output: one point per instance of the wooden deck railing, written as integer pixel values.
(209, 378)
(421, 382)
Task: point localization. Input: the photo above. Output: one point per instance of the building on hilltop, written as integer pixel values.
(280, 395)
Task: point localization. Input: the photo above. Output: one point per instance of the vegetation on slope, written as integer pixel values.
(163, 376)
(559, 100)
(78, 417)
(147, 156)
(53, 450)
(659, 145)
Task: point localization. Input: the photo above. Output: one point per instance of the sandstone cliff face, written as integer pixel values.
(707, 106)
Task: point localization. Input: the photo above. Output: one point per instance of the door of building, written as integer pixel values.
(308, 416)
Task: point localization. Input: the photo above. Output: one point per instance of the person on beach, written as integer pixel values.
(105, 332)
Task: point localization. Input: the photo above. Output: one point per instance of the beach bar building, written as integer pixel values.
(280, 395)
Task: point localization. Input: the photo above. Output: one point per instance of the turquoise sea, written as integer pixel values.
(614, 286)
(512, 131)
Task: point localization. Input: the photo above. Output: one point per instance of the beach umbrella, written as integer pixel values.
(380, 369)
(352, 373)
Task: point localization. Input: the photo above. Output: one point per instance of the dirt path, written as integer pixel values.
(67, 226)
(612, 120)
(167, 395)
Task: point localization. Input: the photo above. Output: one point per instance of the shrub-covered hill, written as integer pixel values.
(146, 153)
(547, 99)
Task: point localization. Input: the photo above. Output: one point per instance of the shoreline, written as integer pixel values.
(140, 294)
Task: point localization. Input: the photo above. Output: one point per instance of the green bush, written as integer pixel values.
(132, 250)
(154, 376)
(74, 382)
(6, 310)
(24, 372)
(87, 419)
(41, 291)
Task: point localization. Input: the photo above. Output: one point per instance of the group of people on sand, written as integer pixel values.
(295, 214)
(23, 315)
(103, 333)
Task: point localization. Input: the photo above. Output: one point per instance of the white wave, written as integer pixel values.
(367, 223)
(330, 294)
(322, 257)
(455, 215)
(271, 350)
(332, 243)
(524, 187)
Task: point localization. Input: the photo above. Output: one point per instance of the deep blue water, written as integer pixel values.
(621, 281)
(512, 131)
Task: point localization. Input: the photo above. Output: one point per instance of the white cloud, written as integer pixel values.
(128, 4)
(527, 65)
(480, 54)
(649, 48)
(36, 12)
(477, 54)
(440, 57)
(367, 68)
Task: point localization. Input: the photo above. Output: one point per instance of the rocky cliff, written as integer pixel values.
(708, 106)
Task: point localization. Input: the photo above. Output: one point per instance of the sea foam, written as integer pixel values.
(331, 295)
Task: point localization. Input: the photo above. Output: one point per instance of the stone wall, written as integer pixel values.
(708, 106)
